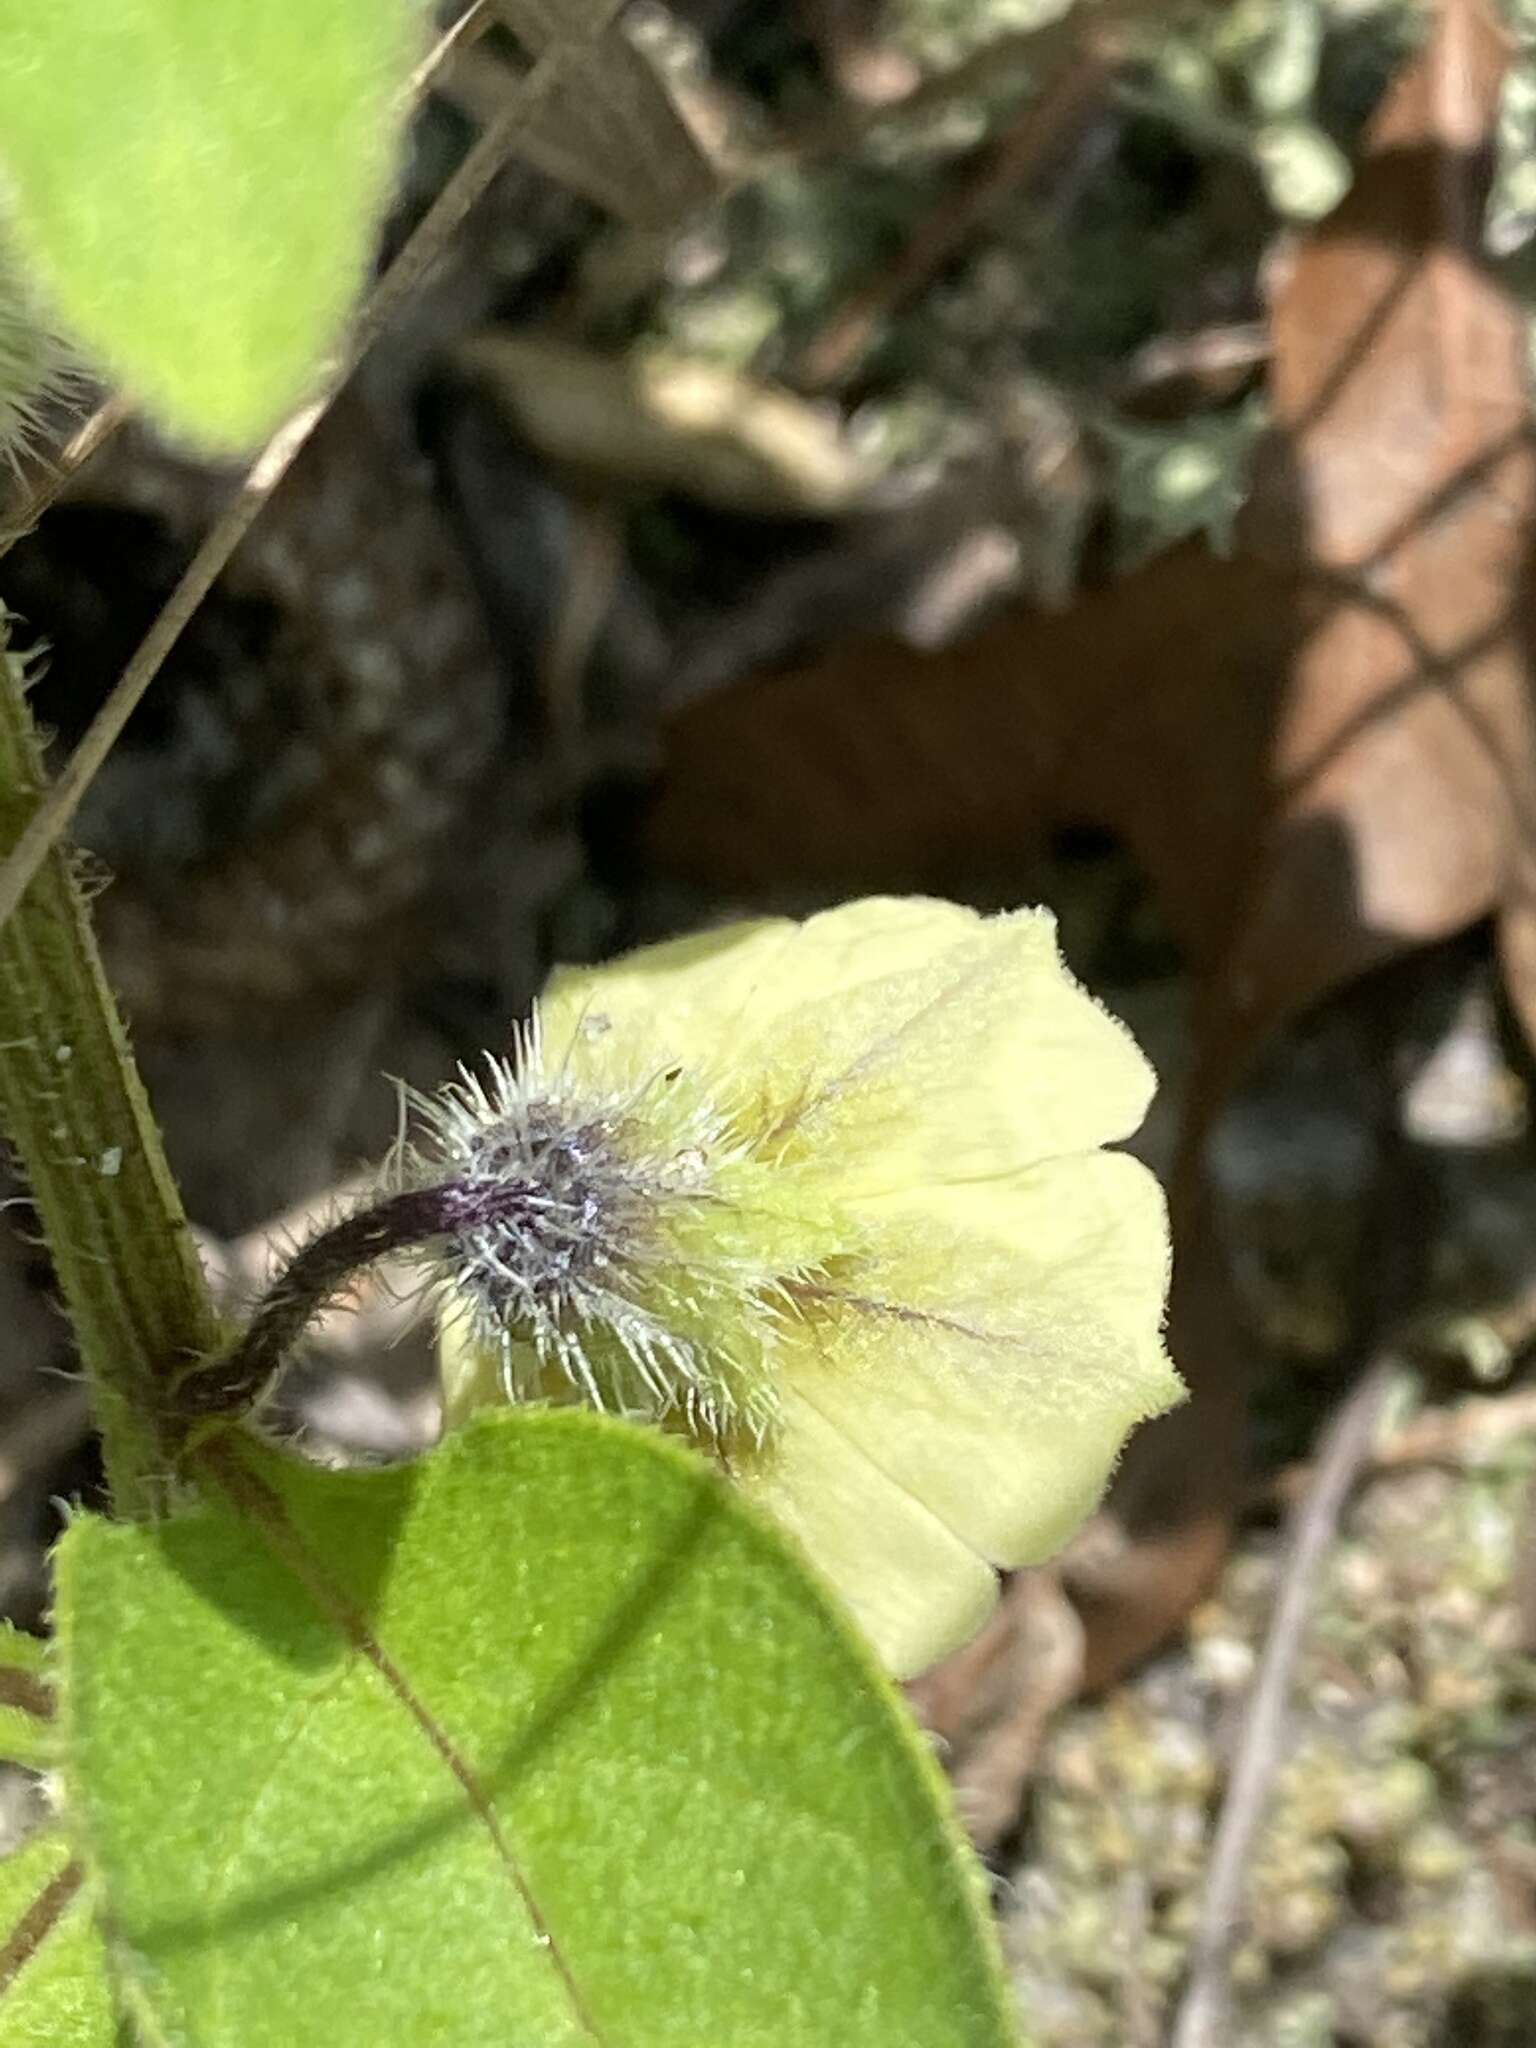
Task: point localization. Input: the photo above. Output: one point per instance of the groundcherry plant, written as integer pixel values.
(784, 1292)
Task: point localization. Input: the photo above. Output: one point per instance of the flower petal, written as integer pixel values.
(916, 1591)
(993, 1359)
(683, 999)
(905, 1039)
(977, 1055)
(695, 997)
(1092, 1228)
(840, 951)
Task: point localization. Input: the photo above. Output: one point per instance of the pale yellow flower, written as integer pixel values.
(830, 1198)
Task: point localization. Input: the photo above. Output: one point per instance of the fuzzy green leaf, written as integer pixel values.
(53, 1985)
(197, 183)
(546, 1738)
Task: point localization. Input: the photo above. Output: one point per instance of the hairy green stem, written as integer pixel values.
(74, 1108)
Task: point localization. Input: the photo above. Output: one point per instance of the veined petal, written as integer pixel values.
(991, 1361)
(904, 1039)
(917, 1591)
(1092, 1227)
(979, 1056)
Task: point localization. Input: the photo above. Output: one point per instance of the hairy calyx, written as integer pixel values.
(628, 1251)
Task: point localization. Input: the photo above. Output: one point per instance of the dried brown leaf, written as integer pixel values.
(1321, 750)
(990, 1704)
(1401, 495)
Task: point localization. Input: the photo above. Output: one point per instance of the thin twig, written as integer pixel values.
(420, 252)
(845, 336)
(1202, 2020)
(471, 24)
(93, 433)
(1388, 1273)
(1072, 68)
(1471, 1432)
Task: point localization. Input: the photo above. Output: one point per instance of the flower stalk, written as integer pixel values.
(234, 1382)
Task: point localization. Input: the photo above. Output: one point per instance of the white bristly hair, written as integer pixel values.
(561, 1257)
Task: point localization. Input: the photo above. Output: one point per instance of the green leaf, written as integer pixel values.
(26, 1700)
(53, 1984)
(546, 1738)
(197, 183)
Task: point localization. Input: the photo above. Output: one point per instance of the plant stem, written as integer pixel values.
(74, 1108)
